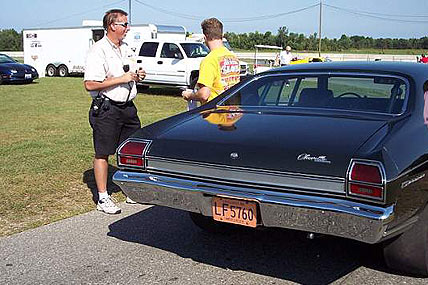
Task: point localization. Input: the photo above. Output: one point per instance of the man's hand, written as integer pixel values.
(187, 94)
(201, 95)
(141, 73)
(129, 76)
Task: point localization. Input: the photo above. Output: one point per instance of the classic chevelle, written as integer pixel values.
(330, 148)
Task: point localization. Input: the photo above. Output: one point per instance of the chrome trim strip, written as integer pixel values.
(407, 172)
(247, 175)
(332, 216)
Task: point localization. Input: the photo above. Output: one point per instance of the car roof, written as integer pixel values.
(407, 68)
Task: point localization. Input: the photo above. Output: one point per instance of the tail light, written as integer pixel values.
(366, 180)
(131, 153)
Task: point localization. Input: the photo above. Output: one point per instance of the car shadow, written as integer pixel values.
(89, 179)
(19, 83)
(279, 253)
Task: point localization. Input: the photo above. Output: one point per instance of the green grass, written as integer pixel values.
(46, 149)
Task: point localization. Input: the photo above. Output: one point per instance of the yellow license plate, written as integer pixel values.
(241, 212)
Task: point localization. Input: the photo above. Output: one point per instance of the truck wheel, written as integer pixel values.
(210, 225)
(409, 251)
(193, 83)
(62, 71)
(50, 70)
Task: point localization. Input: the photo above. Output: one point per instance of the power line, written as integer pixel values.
(269, 16)
(245, 19)
(381, 16)
(80, 14)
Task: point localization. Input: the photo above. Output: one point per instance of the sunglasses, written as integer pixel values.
(125, 24)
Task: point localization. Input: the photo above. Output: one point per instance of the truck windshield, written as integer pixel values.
(194, 50)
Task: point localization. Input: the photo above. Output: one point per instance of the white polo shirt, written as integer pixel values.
(285, 57)
(105, 60)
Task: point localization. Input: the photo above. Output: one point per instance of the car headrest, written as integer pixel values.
(313, 97)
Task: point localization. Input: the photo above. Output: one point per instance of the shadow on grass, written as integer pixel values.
(89, 179)
(278, 253)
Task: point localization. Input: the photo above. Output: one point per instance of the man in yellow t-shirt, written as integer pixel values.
(220, 68)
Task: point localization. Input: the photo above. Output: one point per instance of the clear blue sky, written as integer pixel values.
(374, 18)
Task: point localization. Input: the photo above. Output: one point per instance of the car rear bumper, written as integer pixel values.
(332, 216)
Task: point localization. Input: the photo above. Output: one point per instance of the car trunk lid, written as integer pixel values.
(291, 143)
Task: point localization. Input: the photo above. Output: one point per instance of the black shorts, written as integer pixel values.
(111, 126)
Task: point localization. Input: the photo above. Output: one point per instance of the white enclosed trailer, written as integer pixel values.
(62, 51)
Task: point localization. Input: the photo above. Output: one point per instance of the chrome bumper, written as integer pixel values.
(323, 215)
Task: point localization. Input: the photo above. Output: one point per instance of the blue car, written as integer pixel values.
(12, 71)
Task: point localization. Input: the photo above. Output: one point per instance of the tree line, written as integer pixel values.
(303, 43)
(10, 40)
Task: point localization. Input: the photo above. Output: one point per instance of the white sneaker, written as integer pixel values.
(108, 206)
(130, 201)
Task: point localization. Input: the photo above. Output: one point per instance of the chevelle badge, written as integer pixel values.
(307, 156)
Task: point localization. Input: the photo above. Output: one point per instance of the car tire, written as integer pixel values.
(50, 70)
(409, 252)
(62, 71)
(208, 224)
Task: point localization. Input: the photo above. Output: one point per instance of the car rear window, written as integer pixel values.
(358, 92)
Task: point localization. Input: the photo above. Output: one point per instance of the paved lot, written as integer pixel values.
(155, 245)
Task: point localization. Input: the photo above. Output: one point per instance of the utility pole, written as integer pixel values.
(129, 9)
(319, 31)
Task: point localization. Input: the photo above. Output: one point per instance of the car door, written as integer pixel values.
(148, 61)
(171, 64)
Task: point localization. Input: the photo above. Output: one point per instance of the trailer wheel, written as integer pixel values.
(63, 71)
(50, 70)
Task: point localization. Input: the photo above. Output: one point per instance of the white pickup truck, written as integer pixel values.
(172, 63)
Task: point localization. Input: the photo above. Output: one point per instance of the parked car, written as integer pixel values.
(13, 71)
(308, 60)
(337, 148)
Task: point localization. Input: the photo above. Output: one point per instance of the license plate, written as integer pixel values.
(241, 212)
(27, 76)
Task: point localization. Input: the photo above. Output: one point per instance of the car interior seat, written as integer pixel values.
(314, 97)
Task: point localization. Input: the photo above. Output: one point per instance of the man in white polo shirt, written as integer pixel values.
(285, 56)
(113, 116)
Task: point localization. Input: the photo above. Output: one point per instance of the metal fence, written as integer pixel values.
(13, 53)
(271, 55)
(332, 56)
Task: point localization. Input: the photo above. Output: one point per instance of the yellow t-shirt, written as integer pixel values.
(219, 71)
